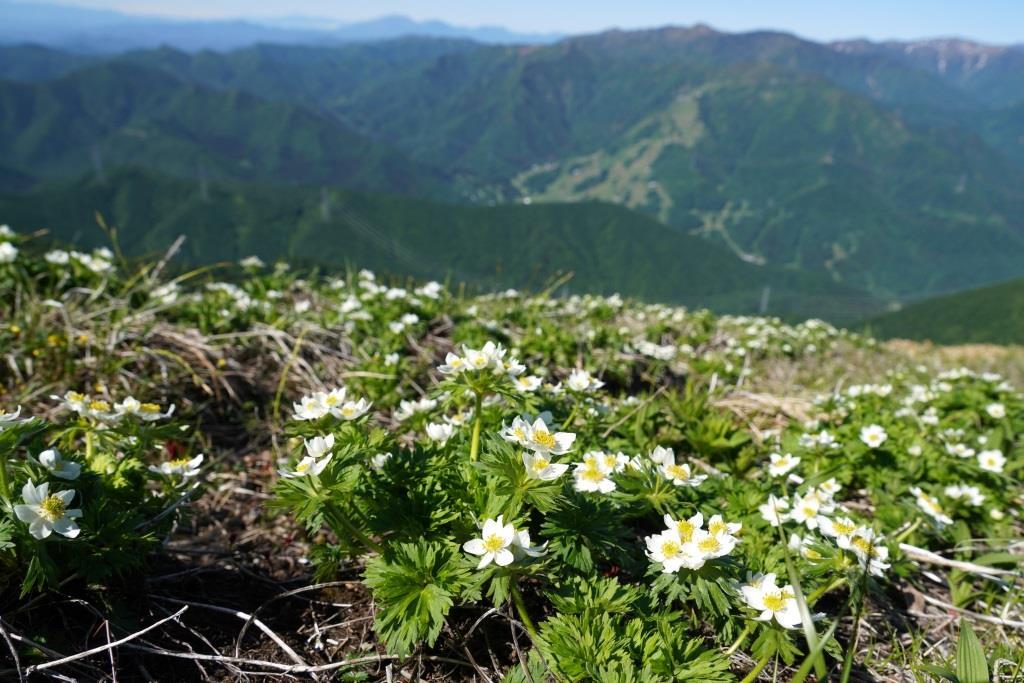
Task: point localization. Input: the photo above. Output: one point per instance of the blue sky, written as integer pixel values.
(996, 21)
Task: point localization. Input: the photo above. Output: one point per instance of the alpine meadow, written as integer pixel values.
(488, 346)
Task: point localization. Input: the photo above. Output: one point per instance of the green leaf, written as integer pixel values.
(971, 665)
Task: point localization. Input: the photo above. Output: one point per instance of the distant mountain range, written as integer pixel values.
(892, 170)
(85, 30)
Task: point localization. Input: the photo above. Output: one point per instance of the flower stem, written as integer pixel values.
(474, 446)
(517, 599)
(825, 589)
(339, 516)
(5, 487)
(739, 641)
(756, 671)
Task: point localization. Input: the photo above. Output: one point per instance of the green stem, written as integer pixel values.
(517, 600)
(739, 641)
(474, 446)
(5, 487)
(756, 671)
(825, 589)
(848, 659)
(337, 515)
(909, 530)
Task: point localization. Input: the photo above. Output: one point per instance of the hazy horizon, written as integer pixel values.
(999, 22)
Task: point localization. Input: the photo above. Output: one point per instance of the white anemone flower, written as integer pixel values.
(771, 601)
(542, 440)
(308, 466)
(775, 511)
(494, 544)
(540, 467)
(583, 382)
(8, 252)
(992, 460)
(997, 411)
(59, 467)
(181, 467)
(679, 474)
(319, 446)
(440, 432)
(522, 548)
(309, 408)
(453, 364)
(8, 419)
(46, 512)
(685, 528)
(591, 476)
(931, 506)
(806, 510)
(527, 383)
(378, 461)
(873, 436)
(351, 410)
(780, 464)
(672, 552)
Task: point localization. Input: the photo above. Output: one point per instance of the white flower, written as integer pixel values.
(319, 446)
(521, 546)
(494, 543)
(391, 359)
(996, 411)
(839, 528)
(453, 364)
(59, 467)
(8, 252)
(541, 440)
(351, 410)
(378, 461)
(771, 601)
(972, 495)
(672, 552)
(440, 432)
(309, 408)
(869, 549)
(6, 231)
(720, 528)
(251, 262)
(992, 460)
(45, 512)
(57, 257)
(678, 474)
(685, 528)
(781, 464)
(540, 467)
(583, 382)
(7, 419)
(960, 450)
(74, 401)
(309, 465)
(873, 436)
(182, 467)
(592, 476)
(774, 511)
(931, 506)
(527, 383)
(806, 510)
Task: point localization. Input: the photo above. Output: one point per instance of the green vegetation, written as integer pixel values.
(990, 314)
(608, 249)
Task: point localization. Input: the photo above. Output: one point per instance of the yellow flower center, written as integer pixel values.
(709, 544)
(75, 396)
(865, 546)
(678, 471)
(52, 508)
(303, 466)
(775, 601)
(331, 400)
(480, 361)
(544, 438)
(843, 528)
(593, 473)
(99, 406)
(810, 511)
(685, 529)
(179, 462)
(540, 463)
(717, 527)
(671, 549)
(150, 408)
(493, 543)
(348, 411)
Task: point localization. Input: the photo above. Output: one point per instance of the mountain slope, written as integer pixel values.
(778, 148)
(992, 314)
(608, 248)
(120, 113)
